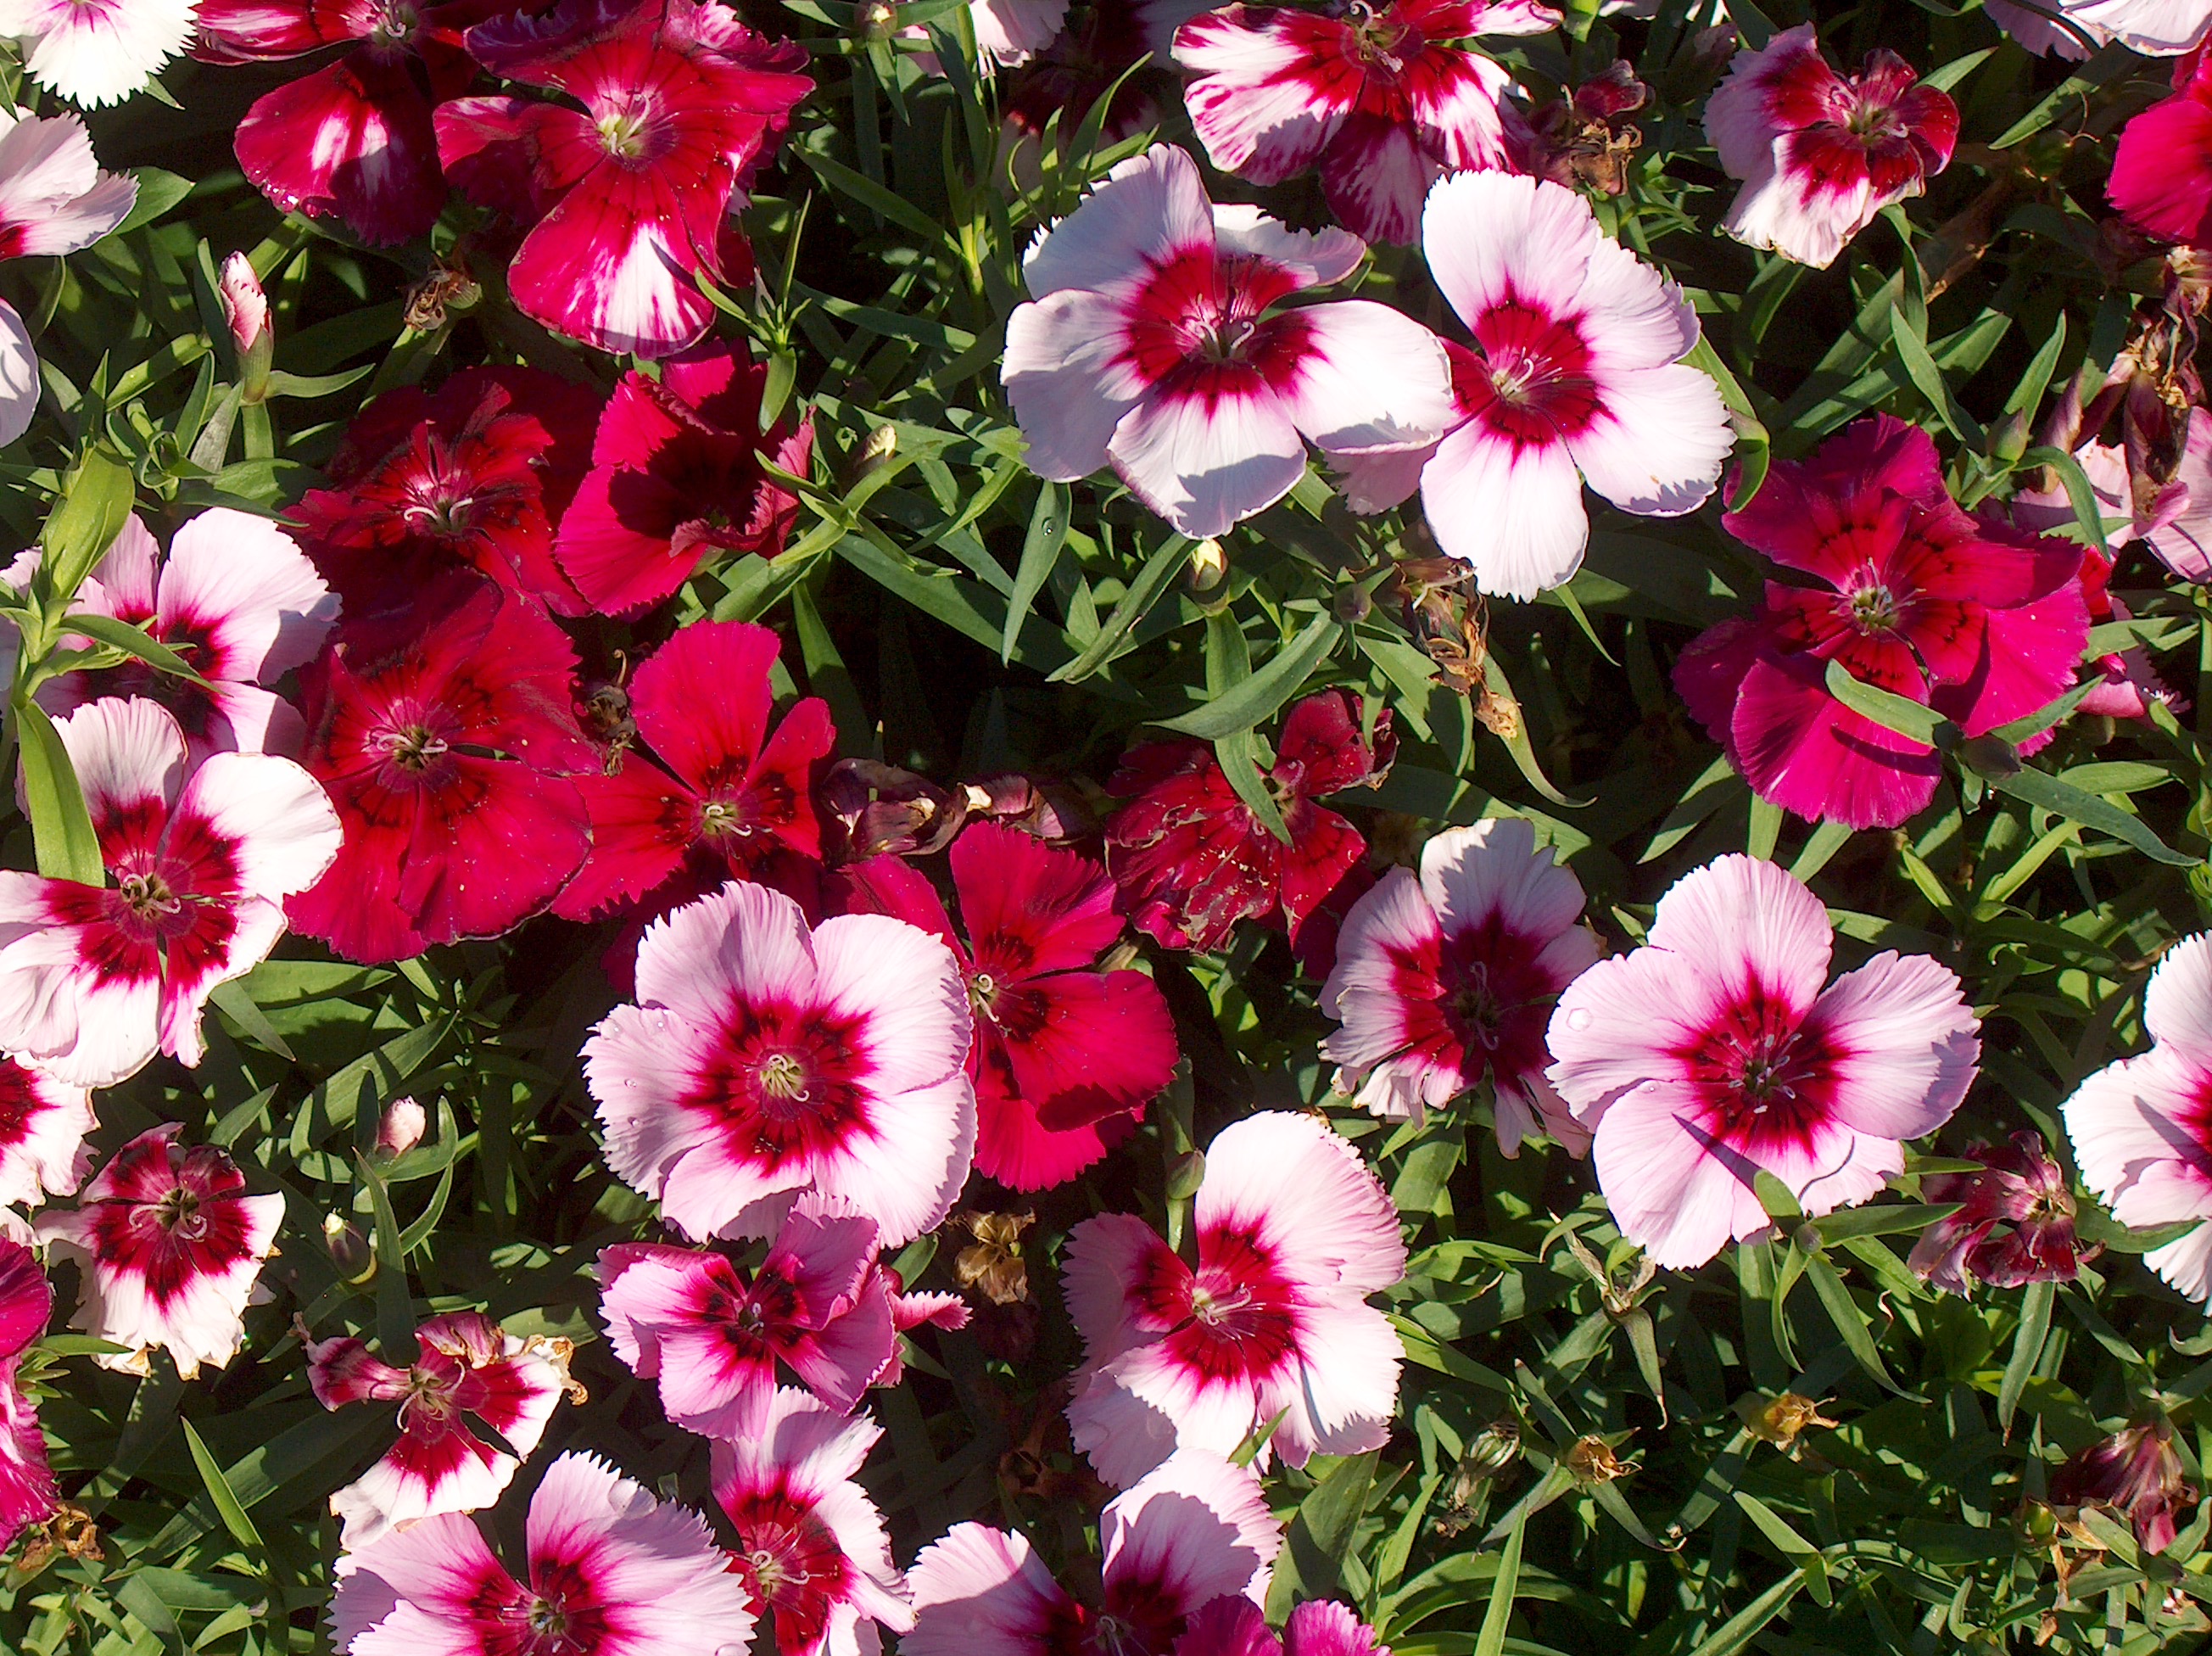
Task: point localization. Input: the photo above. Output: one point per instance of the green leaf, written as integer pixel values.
(1247, 702)
(1497, 1614)
(1886, 708)
(95, 503)
(1801, 1553)
(227, 1504)
(231, 1000)
(1152, 581)
(1928, 379)
(2026, 1347)
(61, 827)
(131, 640)
(1239, 757)
(158, 192)
(1040, 551)
(2047, 792)
(1738, 1631)
(1851, 1322)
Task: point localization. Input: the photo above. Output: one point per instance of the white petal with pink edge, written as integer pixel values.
(2177, 1001)
(247, 585)
(1513, 513)
(905, 987)
(1369, 378)
(982, 1592)
(1308, 1195)
(1489, 235)
(1656, 442)
(274, 818)
(1256, 105)
(1205, 462)
(1669, 1192)
(1906, 1044)
(1312, 259)
(1147, 208)
(127, 754)
(1065, 372)
(1739, 913)
(19, 379)
(1198, 1522)
(2136, 1140)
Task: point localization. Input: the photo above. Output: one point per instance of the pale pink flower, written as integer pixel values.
(1820, 153)
(54, 199)
(1320, 1626)
(811, 1543)
(612, 1571)
(465, 1367)
(95, 980)
(96, 51)
(1446, 976)
(43, 1122)
(2142, 1128)
(171, 1247)
(1293, 1233)
(245, 306)
(1575, 375)
(1715, 1052)
(2157, 28)
(764, 1059)
(713, 1334)
(238, 599)
(1194, 1530)
(1153, 346)
(401, 1127)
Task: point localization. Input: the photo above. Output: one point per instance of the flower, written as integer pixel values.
(1294, 1233)
(1714, 1052)
(239, 600)
(2142, 1127)
(476, 473)
(765, 1059)
(1820, 153)
(401, 1127)
(464, 1366)
(713, 1333)
(1378, 99)
(2157, 28)
(95, 980)
(2161, 177)
(1914, 598)
(613, 1572)
(245, 306)
(43, 1122)
(2173, 517)
(54, 199)
(1149, 346)
(2127, 681)
(2023, 1190)
(96, 52)
(1194, 1530)
(1066, 1057)
(1448, 976)
(1191, 860)
(1231, 1626)
(172, 1247)
(447, 745)
(1575, 375)
(811, 1543)
(27, 1482)
(676, 477)
(1588, 134)
(727, 796)
(352, 140)
(627, 198)
(2136, 1473)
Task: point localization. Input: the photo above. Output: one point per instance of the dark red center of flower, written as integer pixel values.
(791, 1561)
(1381, 39)
(413, 747)
(397, 22)
(785, 1083)
(1532, 382)
(562, 1615)
(1231, 1317)
(1873, 607)
(633, 133)
(1197, 326)
(1764, 1077)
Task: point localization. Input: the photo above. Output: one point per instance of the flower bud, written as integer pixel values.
(1185, 1174)
(402, 1128)
(2136, 1475)
(349, 1249)
(245, 311)
(1209, 566)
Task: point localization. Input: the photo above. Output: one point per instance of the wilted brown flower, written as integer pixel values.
(994, 1262)
(1591, 1459)
(1779, 1419)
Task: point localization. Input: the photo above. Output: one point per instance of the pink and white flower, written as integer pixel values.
(1293, 1233)
(1320, 1626)
(245, 306)
(1379, 98)
(464, 1366)
(1820, 153)
(612, 1571)
(1576, 376)
(811, 1545)
(239, 600)
(95, 980)
(43, 1122)
(1719, 1050)
(2142, 1128)
(172, 1248)
(713, 1334)
(2156, 28)
(1194, 1530)
(1150, 347)
(96, 51)
(764, 1059)
(54, 199)
(27, 1481)
(1448, 976)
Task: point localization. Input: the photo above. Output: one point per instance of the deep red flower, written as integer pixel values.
(2024, 1192)
(721, 795)
(2161, 177)
(2135, 1472)
(1191, 859)
(446, 741)
(1066, 1057)
(675, 477)
(476, 473)
(27, 1482)
(628, 198)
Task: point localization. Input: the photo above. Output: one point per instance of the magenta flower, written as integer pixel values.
(2015, 1223)
(95, 980)
(1381, 100)
(727, 796)
(675, 478)
(629, 197)
(1446, 977)
(765, 1059)
(612, 1571)
(1194, 1530)
(2161, 177)
(239, 600)
(811, 1545)
(2137, 1475)
(1915, 597)
(1191, 860)
(448, 743)
(1066, 1057)
(1576, 376)
(1820, 153)
(1150, 347)
(2142, 1128)
(1715, 1052)
(1236, 1627)
(27, 1482)
(465, 1367)
(714, 1333)
(43, 1122)
(171, 1247)
(1293, 1232)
